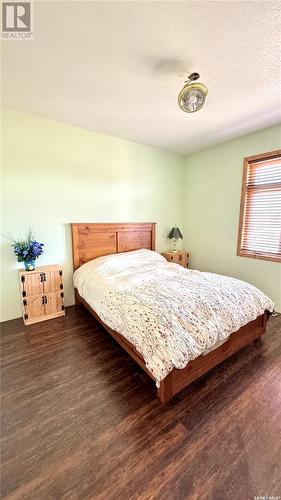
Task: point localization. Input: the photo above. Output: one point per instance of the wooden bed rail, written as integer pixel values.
(177, 380)
(93, 240)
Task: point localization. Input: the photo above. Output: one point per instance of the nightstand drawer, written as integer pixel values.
(54, 302)
(34, 308)
(178, 257)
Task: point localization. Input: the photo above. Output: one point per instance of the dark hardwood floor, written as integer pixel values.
(80, 420)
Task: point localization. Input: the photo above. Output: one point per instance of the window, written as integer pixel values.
(260, 210)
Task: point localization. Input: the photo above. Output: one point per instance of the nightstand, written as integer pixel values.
(180, 257)
(42, 295)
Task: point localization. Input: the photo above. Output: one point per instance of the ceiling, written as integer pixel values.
(117, 67)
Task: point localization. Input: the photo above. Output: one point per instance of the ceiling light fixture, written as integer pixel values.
(193, 94)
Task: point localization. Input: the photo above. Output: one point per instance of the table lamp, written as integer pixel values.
(175, 234)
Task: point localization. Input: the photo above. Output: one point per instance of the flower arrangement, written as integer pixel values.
(28, 250)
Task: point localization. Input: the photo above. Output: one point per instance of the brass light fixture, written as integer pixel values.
(193, 94)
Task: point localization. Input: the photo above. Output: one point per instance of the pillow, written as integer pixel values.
(122, 260)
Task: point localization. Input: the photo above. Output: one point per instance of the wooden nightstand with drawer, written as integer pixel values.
(180, 257)
(42, 295)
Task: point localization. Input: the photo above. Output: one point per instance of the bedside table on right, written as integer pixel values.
(180, 257)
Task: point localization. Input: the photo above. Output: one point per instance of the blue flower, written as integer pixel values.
(28, 250)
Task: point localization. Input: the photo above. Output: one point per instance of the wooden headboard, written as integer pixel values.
(95, 240)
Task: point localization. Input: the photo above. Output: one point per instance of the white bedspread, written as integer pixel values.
(170, 314)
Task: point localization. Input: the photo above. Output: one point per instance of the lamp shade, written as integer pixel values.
(175, 234)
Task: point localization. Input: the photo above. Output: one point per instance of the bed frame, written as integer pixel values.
(94, 240)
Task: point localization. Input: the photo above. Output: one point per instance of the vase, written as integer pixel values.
(29, 265)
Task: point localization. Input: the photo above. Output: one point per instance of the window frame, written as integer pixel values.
(244, 253)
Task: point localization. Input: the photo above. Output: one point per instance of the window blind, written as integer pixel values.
(260, 217)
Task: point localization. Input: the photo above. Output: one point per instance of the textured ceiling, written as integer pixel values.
(117, 68)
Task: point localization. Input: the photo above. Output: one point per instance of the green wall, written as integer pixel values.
(211, 211)
(54, 174)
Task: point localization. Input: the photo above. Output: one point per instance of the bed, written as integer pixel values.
(133, 242)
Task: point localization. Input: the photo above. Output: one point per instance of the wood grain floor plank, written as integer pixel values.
(81, 420)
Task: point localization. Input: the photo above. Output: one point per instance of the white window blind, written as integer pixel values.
(260, 216)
